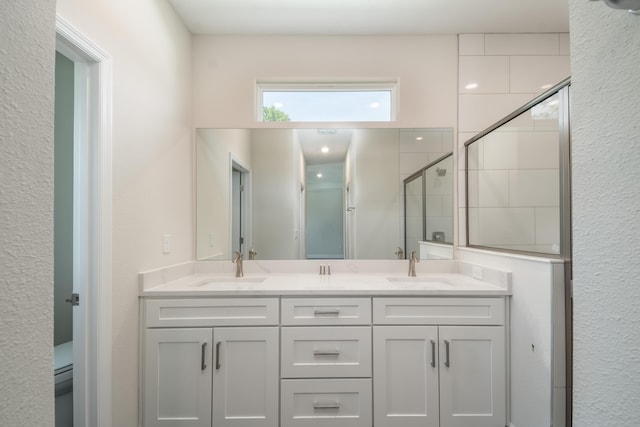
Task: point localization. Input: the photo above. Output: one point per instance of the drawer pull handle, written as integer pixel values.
(326, 352)
(446, 352)
(218, 364)
(326, 312)
(326, 405)
(433, 354)
(203, 363)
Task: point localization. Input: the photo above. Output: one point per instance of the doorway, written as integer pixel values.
(85, 164)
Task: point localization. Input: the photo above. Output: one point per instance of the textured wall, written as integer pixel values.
(26, 212)
(606, 214)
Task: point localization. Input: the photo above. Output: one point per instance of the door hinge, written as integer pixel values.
(74, 300)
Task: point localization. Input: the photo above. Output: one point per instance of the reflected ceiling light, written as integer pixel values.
(418, 138)
(375, 105)
(319, 175)
(325, 149)
(553, 102)
(471, 86)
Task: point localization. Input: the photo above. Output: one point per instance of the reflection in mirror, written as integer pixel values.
(515, 180)
(307, 193)
(429, 210)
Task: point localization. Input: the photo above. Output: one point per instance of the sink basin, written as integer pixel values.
(217, 281)
(436, 282)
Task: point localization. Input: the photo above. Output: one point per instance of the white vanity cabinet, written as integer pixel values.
(211, 362)
(326, 362)
(439, 362)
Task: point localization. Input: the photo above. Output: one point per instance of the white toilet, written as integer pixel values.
(63, 374)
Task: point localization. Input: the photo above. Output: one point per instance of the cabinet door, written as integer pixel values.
(472, 376)
(245, 378)
(405, 376)
(177, 372)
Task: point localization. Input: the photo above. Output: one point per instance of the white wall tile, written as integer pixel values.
(462, 226)
(471, 44)
(493, 188)
(548, 226)
(522, 44)
(534, 188)
(490, 73)
(538, 150)
(462, 186)
(506, 226)
(478, 112)
(529, 73)
(412, 162)
(500, 150)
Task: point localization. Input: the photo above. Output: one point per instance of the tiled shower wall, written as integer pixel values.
(507, 71)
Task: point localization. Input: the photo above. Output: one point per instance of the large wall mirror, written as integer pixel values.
(308, 193)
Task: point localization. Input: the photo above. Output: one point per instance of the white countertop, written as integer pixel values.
(387, 283)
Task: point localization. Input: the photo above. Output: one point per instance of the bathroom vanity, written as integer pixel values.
(301, 349)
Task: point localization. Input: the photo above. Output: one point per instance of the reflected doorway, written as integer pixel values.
(240, 208)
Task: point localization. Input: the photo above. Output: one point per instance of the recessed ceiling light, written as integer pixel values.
(325, 149)
(319, 175)
(418, 138)
(375, 105)
(471, 86)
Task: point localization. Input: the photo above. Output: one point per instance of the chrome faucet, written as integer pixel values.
(412, 264)
(237, 260)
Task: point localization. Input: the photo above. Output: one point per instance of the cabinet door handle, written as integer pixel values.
(446, 352)
(326, 352)
(218, 364)
(326, 405)
(433, 354)
(203, 363)
(334, 312)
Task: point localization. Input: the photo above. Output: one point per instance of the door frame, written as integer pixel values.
(92, 225)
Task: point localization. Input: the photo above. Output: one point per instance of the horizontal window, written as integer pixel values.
(326, 103)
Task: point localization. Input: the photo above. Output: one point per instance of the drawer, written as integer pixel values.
(438, 311)
(326, 403)
(190, 312)
(326, 311)
(325, 352)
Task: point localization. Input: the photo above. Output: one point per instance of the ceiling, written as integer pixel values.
(372, 17)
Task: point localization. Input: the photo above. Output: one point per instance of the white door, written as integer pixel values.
(472, 376)
(246, 377)
(177, 375)
(405, 372)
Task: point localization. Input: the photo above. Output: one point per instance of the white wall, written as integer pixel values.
(275, 189)
(536, 350)
(226, 68)
(510, 70)
(27, 53)
(152, 159)
(213, 177)
(606, 214)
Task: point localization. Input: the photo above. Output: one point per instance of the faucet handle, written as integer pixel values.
(238, 256)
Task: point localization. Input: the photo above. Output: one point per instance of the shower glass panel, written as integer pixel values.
(428, 207)
(414, 217)
(517, 179)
